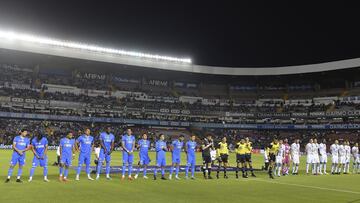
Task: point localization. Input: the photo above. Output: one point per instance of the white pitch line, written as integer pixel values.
(308, 186)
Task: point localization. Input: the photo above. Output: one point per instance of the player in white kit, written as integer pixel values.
(309, 155)
(342, 157)
(316, 158)
(279, 159)
(356, 158)
(295, 155)
(323, 157)
(347, 157)
(334, 150)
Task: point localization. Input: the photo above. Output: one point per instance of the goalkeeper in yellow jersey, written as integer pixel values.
(223, 152)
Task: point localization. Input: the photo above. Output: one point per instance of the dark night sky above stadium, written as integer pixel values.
(222, 33)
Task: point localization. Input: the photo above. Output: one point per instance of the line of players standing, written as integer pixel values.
(279, 154)
(84, 144)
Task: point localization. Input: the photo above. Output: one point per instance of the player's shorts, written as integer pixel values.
(175, 158)
(104, 157)
(144, 159)
(334, 159)
(66, 160)
(84, 158)
(272, 157)
(323, 158)
(191, 160)
(42, 162)
(160, 161)
(207, 159)
(296, 159)
(248, 157)
(309, 159)
(240, 158)
(286, 160)
(279, 160)
(224, 158)
(316, 159)
(347, 159)
(17, 158)
(128, 158)
(342, 160)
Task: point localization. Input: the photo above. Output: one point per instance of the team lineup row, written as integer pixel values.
(277, 155)
(280, 153)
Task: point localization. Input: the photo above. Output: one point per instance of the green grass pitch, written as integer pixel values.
(302, 188)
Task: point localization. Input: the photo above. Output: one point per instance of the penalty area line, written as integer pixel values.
(308, 186)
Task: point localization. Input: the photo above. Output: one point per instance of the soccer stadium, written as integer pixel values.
(86, 122)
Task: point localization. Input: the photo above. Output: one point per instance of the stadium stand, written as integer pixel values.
(67, 90)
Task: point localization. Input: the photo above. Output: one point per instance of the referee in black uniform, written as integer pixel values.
(207, 145)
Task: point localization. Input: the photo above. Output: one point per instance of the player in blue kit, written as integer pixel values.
(128, 144)
(85, 144)
(143, 145)
(190, 148)
(176, 148)
(39, 146)
(107, 147)
(20, 145)
(161, 149)
(67, 153)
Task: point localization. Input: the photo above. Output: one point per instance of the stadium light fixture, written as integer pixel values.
(9, 35)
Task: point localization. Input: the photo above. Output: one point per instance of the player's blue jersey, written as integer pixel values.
(191, 147)
(67, 146)
(144, 146)
(39, 145)
(177, 147)
(21, 143)
(128, 141)
(107, 139)
(86, 143)
(159, 147)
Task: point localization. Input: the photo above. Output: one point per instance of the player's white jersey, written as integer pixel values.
(334, 150)
(315, 152)
(295, 149)
(295, 153)
(322, 149)
(342, 154)
(309, 153)
(281, 151)
(355, 154)
(348, 150)
(309, 149)
(280, 154)
(315, 149)
(342, 150)
(348, 153)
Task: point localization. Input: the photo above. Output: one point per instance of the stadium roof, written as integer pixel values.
(42, 45)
